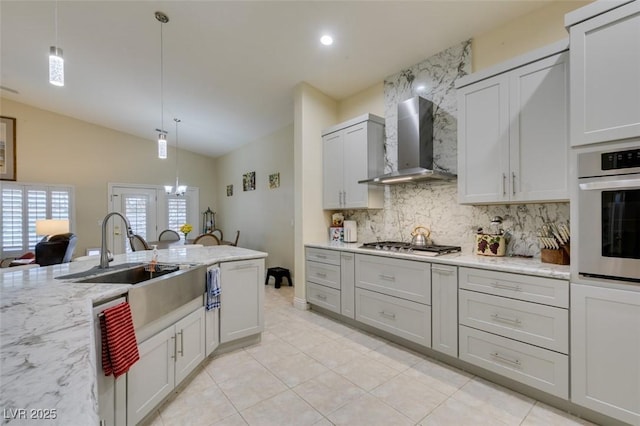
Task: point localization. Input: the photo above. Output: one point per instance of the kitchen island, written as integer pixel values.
(47, 351)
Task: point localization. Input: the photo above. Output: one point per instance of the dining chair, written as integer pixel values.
(207, 240)
(169, 235)
(218, 233)
(235, 243)
(138, 243)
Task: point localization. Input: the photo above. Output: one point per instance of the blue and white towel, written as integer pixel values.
(213, 288)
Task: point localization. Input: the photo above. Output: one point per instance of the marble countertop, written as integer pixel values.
(519, 265)
(47, 353)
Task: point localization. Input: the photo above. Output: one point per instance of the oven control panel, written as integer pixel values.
(620, 159)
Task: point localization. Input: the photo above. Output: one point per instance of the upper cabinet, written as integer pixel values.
(353, 151)
(513, 130)
(605, 65)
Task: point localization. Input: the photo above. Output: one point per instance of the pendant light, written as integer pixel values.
(56, 62)
(180, 189)
(162, 134)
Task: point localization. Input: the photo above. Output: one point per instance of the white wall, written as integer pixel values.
(56, 149)
(313, 112)
(264, 216)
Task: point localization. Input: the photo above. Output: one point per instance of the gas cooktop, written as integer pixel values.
(401, 247)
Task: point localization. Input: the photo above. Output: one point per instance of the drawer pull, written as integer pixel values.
(388, 315)
(497, 317)
(506, 287)
(503, 358)
(443, 270)
(347, 256)
(321, 296)
(321, 256)
(321, 274)
(387, 277)
(181, 351)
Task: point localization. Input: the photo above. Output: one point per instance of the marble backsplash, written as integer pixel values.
(435, 205)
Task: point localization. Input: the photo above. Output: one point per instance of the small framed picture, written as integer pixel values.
(7, 148)
(229, 190)
(249, 181)
(274, 180)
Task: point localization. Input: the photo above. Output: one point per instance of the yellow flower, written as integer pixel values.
(186, 228)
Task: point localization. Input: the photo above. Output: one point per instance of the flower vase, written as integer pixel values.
(185, 237)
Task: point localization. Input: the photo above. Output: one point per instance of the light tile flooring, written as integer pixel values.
(311, 370)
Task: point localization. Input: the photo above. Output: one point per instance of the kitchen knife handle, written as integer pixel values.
(513, 183)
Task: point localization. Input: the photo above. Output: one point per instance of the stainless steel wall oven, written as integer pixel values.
(609, 214)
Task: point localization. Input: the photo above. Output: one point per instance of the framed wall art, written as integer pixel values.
(249, 181)
(274, 180)
(7, 148)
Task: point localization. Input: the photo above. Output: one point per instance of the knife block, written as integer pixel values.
(557, 256)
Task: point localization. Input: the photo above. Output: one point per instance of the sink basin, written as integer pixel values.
(133, 275)
(154, 294)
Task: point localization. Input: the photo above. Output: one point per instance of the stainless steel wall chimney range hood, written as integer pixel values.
(415, 145)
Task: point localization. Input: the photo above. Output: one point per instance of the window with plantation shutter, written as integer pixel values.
(177, 213)
(22, 205)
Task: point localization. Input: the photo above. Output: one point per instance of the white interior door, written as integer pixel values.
(139, 205)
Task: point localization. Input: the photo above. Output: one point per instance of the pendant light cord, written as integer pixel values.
(161, 80)
(177, 120)
(55, 14)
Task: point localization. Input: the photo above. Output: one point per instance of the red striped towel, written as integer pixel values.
(119, 346)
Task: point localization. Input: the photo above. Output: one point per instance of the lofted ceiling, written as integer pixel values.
(230, 67)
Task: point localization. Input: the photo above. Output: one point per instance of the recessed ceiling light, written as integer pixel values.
(327, 40)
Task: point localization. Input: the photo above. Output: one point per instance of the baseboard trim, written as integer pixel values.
(300, 304)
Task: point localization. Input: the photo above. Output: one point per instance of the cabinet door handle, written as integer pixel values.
(321, 296)
(347, 256)
(504, 184)
(103, 423)
(441, 269)
(513, 183)
(181, 351)
(238, 267)
(506, 287)
(175, 347)
(344, 198)
(387, 277)
(388, 315)
(497, 317)
(503, 358)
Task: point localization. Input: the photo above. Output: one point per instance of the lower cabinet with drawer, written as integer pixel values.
(539, 368)
(517, 326)
(322, 277)
(394, 295)
(400, 317)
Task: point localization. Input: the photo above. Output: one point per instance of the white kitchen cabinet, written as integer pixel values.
(241, 299)
(517, 326)
(394, 295)
(190, 343)
(112, 392)
(513, 133)
(212, 331)
(605, 350)
(323, 278)
(444, 309)
(353, 151)
(165, 360)
(605, 65)
(400, 317)
(348, 285)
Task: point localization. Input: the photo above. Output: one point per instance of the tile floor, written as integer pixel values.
(311, 370)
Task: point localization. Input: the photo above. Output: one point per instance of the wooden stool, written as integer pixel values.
(278, 273)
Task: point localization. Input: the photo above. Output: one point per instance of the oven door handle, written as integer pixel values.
(610, 184)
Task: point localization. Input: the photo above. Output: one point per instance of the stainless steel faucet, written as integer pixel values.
(104, 257)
